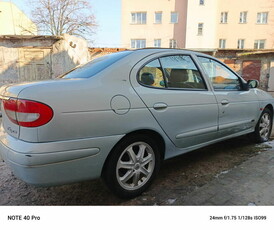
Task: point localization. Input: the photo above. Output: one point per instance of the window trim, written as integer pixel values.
(261, 17)
(221, 43)
(137, 39)
(173, 42)
(158, 12)
(165, 77)
(242, 42)
(245, 17)
(258, 43)
(224, 15)
(242, 81)
(138, 12)
(174, 12)
(200, 31)
(157, 39)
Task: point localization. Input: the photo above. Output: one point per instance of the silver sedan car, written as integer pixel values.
(119, 116)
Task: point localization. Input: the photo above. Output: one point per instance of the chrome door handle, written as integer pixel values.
(224, 102)
(160, 106)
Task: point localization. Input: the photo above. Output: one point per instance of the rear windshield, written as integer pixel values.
(97, 65)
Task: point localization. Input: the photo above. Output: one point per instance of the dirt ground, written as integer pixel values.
(178, 177)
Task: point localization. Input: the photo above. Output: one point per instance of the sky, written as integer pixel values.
(107, 13)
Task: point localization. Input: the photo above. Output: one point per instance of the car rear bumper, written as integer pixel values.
(59, 162)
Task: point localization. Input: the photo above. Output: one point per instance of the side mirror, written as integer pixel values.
(162, 83)
(253, 84)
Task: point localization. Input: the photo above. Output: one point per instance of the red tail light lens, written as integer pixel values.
(27, 113)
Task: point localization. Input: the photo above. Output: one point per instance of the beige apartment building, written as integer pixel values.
(198, 24)
(153, 23)
(14, 22)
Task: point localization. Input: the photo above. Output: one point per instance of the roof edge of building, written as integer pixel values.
(30, 37)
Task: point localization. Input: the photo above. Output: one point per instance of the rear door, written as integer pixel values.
(176, 94)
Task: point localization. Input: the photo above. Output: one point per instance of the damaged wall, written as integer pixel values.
(68, 53)
(30, 58)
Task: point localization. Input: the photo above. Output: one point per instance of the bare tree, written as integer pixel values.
(57, 17)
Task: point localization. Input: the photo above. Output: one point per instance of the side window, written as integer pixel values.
(181, 72)
(220, 76)
(151, 75)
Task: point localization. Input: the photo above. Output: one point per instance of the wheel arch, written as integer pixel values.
(270, 107)
(156, 136)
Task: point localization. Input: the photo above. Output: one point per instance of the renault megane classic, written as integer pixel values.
(119, 116)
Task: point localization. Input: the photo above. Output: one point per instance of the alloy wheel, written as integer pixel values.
(265, 125)
(135, 166)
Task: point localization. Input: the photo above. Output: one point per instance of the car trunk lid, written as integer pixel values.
(13, 117)
(25, 107)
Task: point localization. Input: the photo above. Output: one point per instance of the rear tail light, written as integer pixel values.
(27, 113)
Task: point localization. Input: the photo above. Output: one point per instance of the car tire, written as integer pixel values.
(264, 126)
(132, 166)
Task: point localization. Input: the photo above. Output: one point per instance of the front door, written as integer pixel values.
(238, 108)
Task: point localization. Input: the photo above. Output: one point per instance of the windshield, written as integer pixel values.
(97, 65)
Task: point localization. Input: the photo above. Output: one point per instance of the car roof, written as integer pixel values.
(151, 50)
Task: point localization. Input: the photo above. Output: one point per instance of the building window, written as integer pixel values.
(222, 43)
(200, 28)
(259, 44)
(157, 42)
(241, 44)
(139, 18)
(262, 18)
(202, 2)
(172, 43)
(158, 18)
(138, 43)
(174, 17)
(224, 17)
(243, 17)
